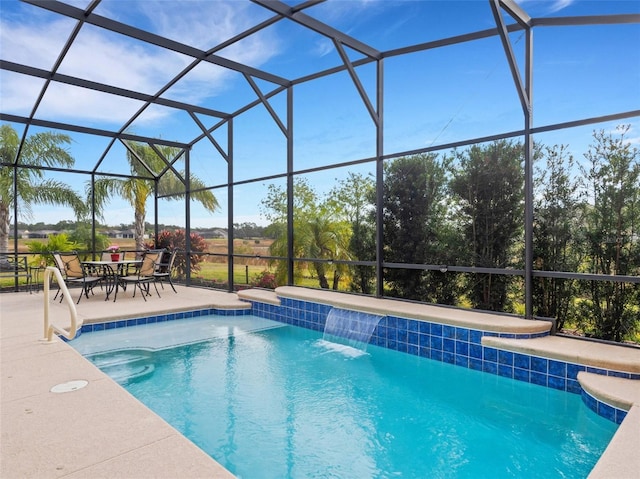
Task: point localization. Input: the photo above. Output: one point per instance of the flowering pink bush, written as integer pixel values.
(265, 279)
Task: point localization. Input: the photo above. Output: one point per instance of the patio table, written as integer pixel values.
(111, 271)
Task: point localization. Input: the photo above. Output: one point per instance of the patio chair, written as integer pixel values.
(12, 267)
(74, 273)
(165, 269)
(144, 274)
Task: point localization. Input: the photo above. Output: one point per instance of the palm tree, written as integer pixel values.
(41, 150)
(318, 233)
(144, 163)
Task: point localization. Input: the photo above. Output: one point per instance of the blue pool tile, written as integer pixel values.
(573, 386)
(141, 321)
(521, 374)
(413, 325)
(618, 374)
(402, 336)
(413, 338)
(462, 334)
(110, 325)
(437, 355)
(557, 383)
(449, 345)
(620, 415)
(475, 364)
(606, 411)
(436, 329)
(491, 354)
(538, 378)
(448, 357)
(131, 322)
(424, 327)
(448, 332)
(521, 361)
(590, 401)
(597, 371)
(539, 365)
(402, 324)
(413, 349)
(505, 357)
(392, 322)
(462, 348)
(558, 368)
(573, 370)
(505, 370)
(121, 324)
(490, 367)
(462, 360)
(436, 343)
(475, 351)
(475, 336)
(392, 344)
(424, 340)
(425, 352)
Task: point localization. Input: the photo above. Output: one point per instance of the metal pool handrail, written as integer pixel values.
(48, 327)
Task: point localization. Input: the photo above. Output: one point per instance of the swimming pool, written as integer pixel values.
(272, 400)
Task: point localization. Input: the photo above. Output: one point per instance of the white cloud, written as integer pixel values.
(548, 6)
(323, 47)
(101, 56)
(560, 5)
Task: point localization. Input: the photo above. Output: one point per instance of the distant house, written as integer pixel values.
(213, 233)
(130, 233)
(26, 234)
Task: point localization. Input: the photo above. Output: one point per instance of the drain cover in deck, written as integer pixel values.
(70, 386)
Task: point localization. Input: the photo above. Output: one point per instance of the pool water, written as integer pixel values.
(268, 400)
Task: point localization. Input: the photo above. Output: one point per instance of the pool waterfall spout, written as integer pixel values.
(353, 328)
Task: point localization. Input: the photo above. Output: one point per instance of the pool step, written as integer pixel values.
(124, 366)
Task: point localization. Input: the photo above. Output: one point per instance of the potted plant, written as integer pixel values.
(114, 249)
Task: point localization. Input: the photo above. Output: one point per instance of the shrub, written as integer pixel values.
(55, 242)
(265, 279)
(172, 240)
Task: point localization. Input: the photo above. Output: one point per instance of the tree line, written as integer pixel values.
(466, 208)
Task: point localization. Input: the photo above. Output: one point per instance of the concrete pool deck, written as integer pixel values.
(99, 430)
(102, 431)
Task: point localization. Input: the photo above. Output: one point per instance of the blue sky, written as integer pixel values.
(431, 98)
